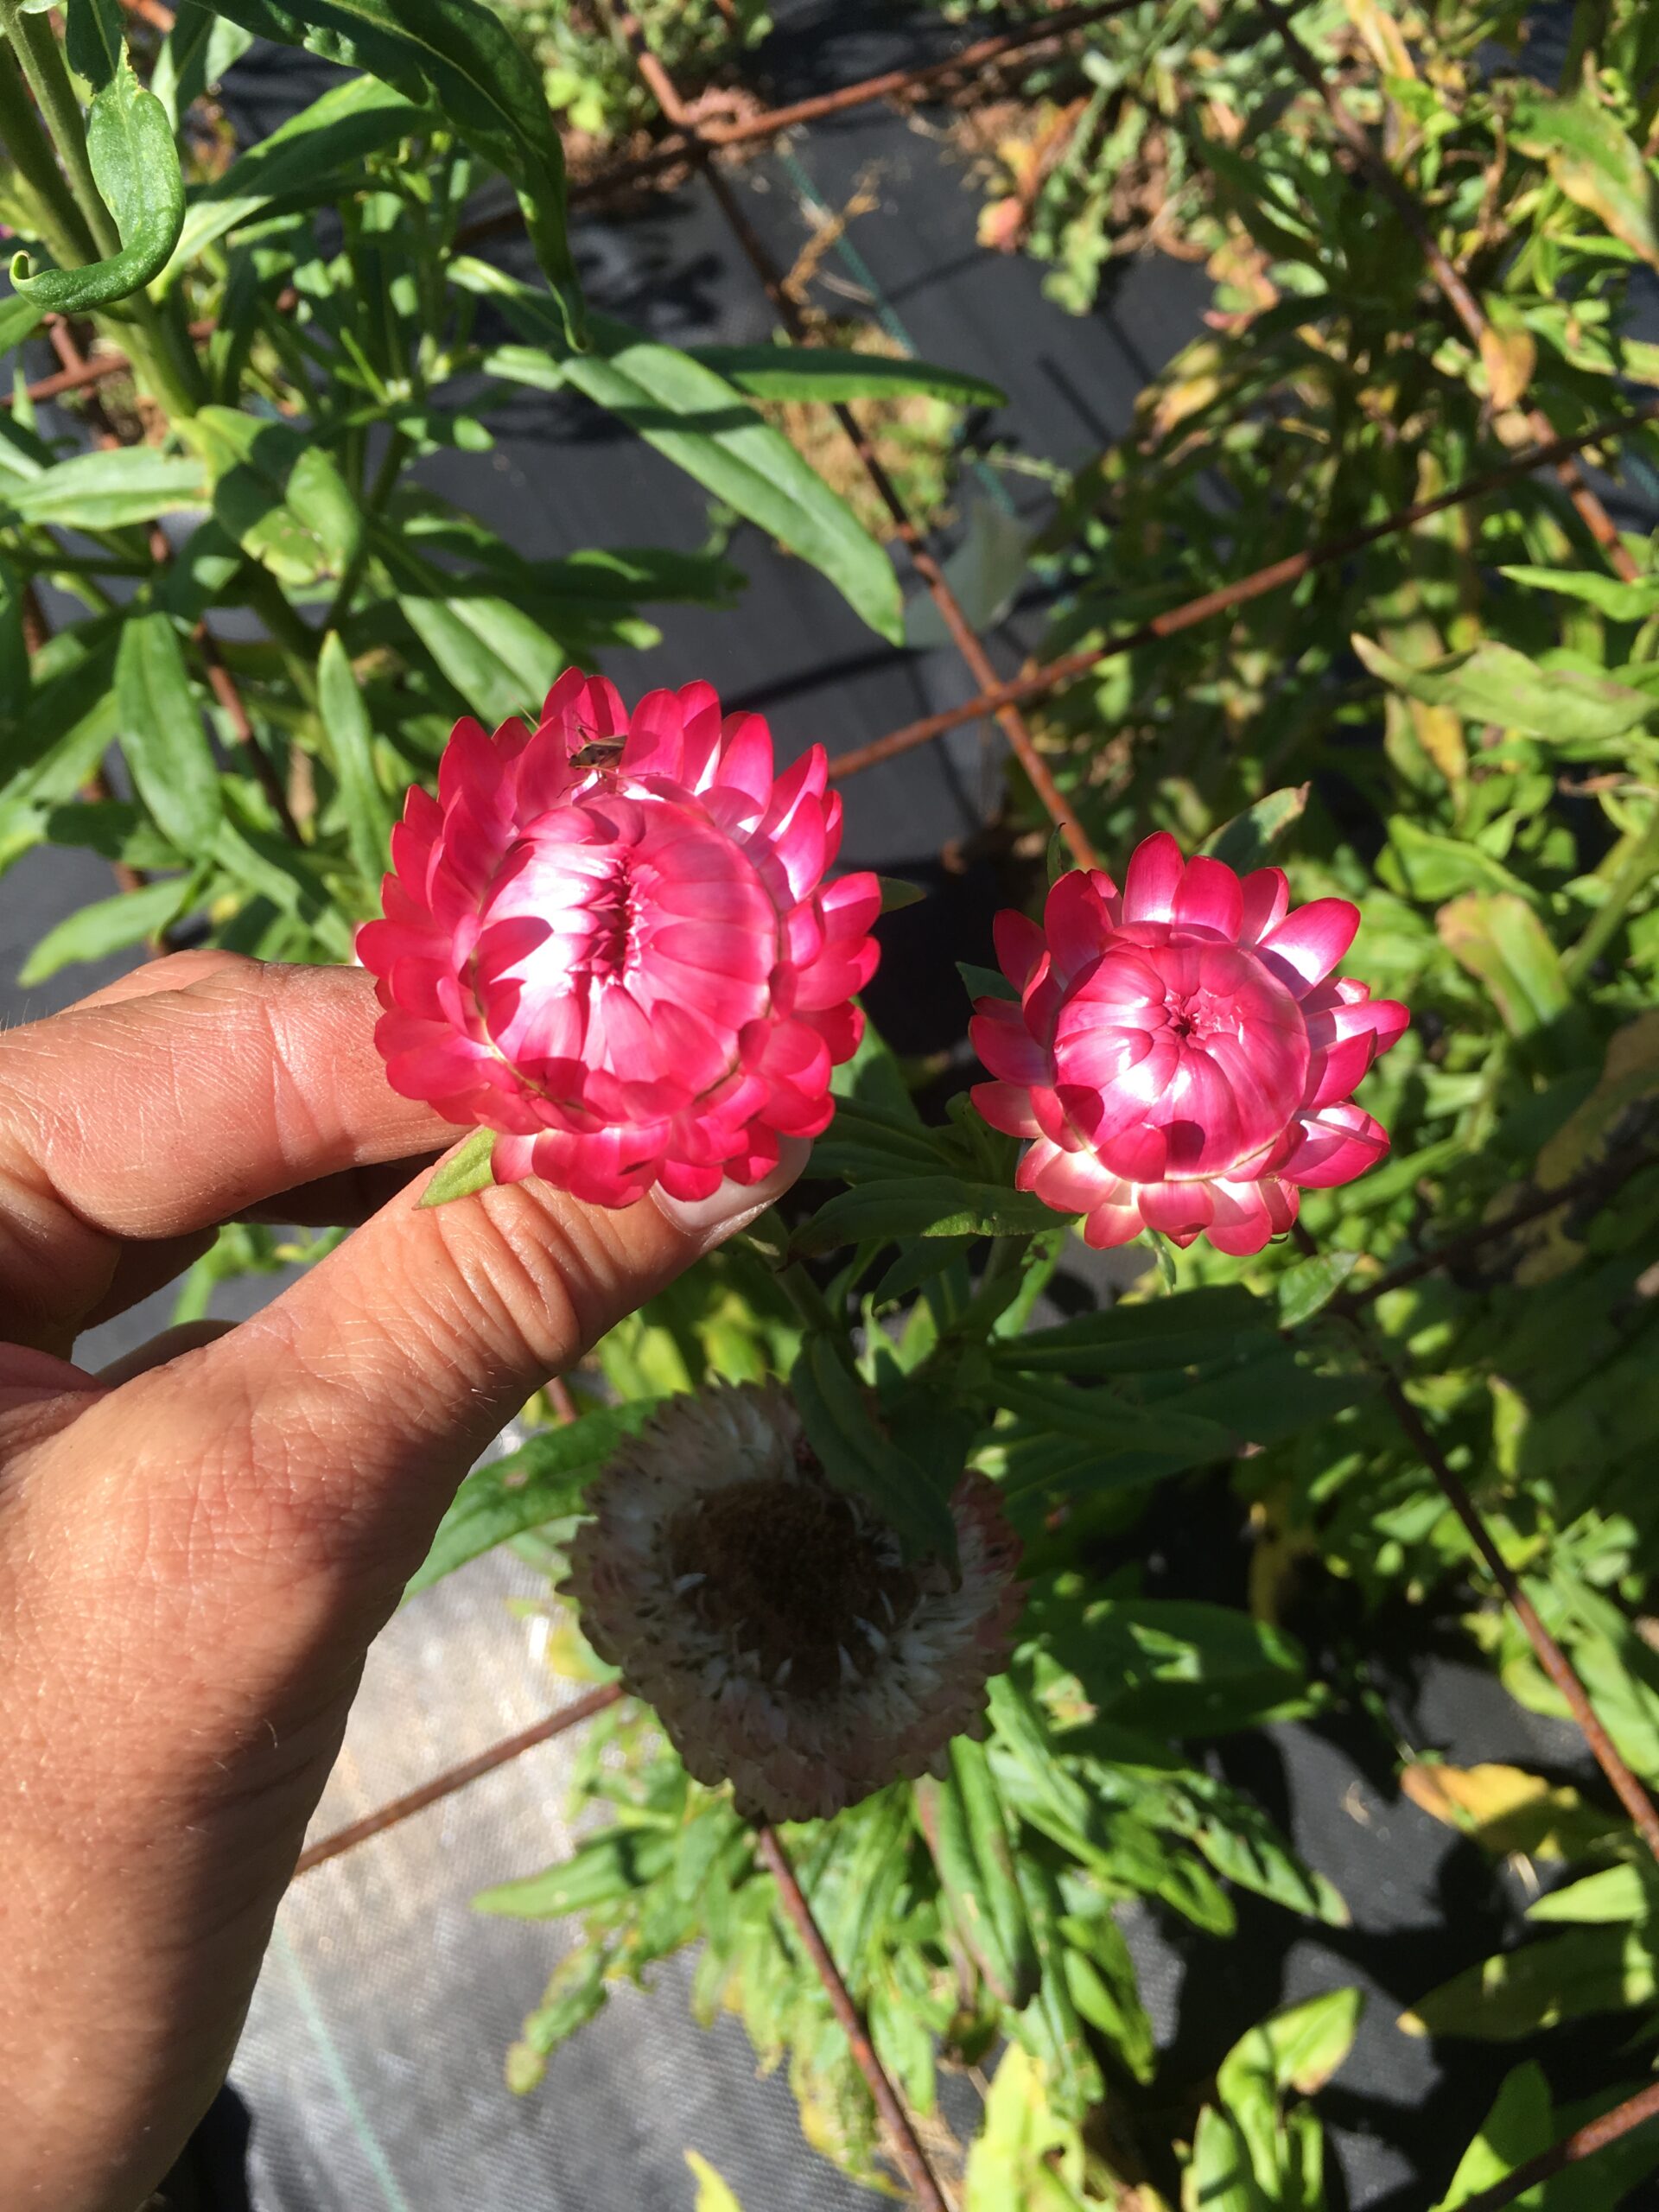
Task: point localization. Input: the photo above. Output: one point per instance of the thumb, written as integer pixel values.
(328, 1432)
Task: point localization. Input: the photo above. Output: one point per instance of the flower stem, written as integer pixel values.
(901, 2129)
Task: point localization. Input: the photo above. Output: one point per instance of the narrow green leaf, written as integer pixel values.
(163, 735)
(986, 982)
(368, 815)
(108, 925)
(1311, 1284)
(135, 165)
(499, 658)
(713, 2195)
(94, 40)
(896, 894)
(1520, 2123)
(105, 490)
(925, 1205)
(857, 1457)
(610, 1867)
(485, 84)
(19, 318)
(542, 1481)
(1598, 1969)
(464, 1172)
(706, 426)
(987, 1830)
(278, 494)
(1248, 840)
(1623, 602)
(829, 374)
(310, 160)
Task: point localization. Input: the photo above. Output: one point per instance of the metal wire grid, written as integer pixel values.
(696, 144)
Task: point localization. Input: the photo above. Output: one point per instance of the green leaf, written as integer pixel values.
(828, 373)
(858, 1459)
(1564, 1978)
(986, 982)
(108, 925)
(1593, 160)
(278, 493)
(19, 318)
(1246, 841)
(1615, 1893)
(705, 426)
(105, 490)
(1621, 601)
(543, 1480)
(967, 1831)
(163, 735)
(484, 83)
(465, 1170)
(1175, 1667)
(135, 165)
(94, 40)
(310, 159)
(1520, 2123)
(924, 1206)
(1492, 683)
(896, 894)
(499, 658)
(1501, 942)
(609, 1867)
(1310, 1286)
(368, 816)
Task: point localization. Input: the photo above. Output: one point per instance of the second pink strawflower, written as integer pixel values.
(611, 939)
(1182, 1058)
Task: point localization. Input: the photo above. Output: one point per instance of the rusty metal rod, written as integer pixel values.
(907, 2150)
(1051, 675)
(1603, 1178)
(1551, 1657)
(458, 1777)
(980, 666)
(1583, 2142)
(1456, 292)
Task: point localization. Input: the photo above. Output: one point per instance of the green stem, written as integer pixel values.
(806, 1298)
(300, 645)
(141, 329)
(378, 492)
(1633, 876)
(62, 226)
(42, 61)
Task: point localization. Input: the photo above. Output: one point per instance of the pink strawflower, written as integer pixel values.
(772, 1621)
(611, 939)
(1181, 1058)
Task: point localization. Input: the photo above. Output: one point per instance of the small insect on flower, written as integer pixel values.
(772, 1621)
(1181, 1056)
(611, 939)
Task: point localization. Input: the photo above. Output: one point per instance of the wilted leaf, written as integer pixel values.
(1509, 357)
(1501, 942)
(1594, 160)
(1492, 683)
(1506, 1810)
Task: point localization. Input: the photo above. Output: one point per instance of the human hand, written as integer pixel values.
(196, 1549)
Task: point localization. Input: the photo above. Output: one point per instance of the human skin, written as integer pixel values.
(196, 1548)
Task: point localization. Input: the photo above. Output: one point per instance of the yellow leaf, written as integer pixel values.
(1510, 357)
(1505, 1810)
(713, 2194)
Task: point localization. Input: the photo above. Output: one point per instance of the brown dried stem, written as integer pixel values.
(1453, 289)
(1050, 676)
(906, 2145)
(457, 1778)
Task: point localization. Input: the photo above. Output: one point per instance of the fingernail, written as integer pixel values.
(735, 1205)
